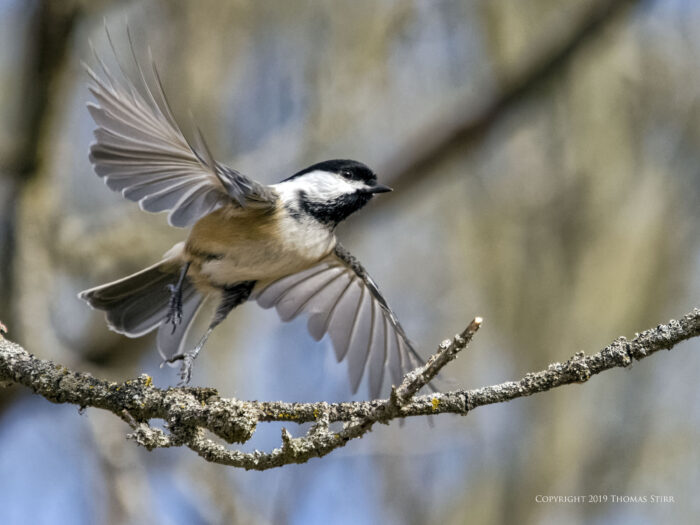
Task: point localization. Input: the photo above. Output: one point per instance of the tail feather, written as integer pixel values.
(106, 296)
(137, 304)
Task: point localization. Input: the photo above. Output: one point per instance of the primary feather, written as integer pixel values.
(140, 151)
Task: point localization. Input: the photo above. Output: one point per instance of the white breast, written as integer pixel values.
(298, 243)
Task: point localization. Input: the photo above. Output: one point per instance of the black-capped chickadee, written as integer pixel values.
(248, 241)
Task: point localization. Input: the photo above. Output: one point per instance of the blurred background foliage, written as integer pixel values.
(545, 159)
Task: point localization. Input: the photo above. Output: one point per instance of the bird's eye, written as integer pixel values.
(347, 174)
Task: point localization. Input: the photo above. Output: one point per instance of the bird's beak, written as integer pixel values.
(379, 188)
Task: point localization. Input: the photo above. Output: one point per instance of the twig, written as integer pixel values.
(190, 412)
(447, 351)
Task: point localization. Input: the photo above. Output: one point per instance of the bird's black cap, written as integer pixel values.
(350, 169)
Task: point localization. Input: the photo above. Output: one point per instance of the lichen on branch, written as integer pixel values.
(191, 412)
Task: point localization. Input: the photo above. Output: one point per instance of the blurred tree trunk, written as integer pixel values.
(43, 51)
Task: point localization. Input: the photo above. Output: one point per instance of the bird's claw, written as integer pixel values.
(187, 364)
(186, 369)
(188, 360)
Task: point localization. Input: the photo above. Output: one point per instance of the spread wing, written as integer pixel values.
(341, 299)
(140, 151)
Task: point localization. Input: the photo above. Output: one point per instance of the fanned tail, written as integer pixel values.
(139, 303)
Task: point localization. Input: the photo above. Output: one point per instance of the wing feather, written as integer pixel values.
(139, 143)
(393, 363)
(361, 340)
(377, 354)
(167, 198)
(324, 305)
(343, 318)
(343, 301)
(274, 292)
(133, 188)
(292, 303)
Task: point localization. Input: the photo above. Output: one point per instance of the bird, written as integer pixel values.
(247, 241)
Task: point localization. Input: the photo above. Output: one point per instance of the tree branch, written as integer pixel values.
(190, 412)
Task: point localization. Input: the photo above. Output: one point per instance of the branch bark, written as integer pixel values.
(190, 412)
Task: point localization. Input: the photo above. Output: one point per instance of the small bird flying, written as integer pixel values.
(248, 241)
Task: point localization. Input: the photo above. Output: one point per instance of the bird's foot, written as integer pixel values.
(174, 316)
(186, 369)
(188, 359)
